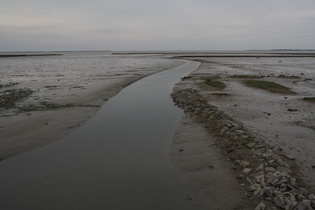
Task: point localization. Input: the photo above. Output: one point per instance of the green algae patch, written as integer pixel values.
(213, 82)
(50, 106)
(221, 94)
(246, 76)
(270, 86)
(288, 76)
(214, 77)
(310, 99)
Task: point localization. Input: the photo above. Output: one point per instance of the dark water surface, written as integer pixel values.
(117, 160)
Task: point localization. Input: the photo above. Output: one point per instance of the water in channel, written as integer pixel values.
(119, 159)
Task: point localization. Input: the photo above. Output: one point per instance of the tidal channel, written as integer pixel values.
(119, 159)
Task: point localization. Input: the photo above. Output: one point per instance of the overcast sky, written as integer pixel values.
(156, 25)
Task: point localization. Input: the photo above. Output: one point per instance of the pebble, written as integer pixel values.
(247, 170)
(260, 167)
(239, 131)
(290, 157)
(268, 191)
(251, 188)
(272, 180)
(303, 206)
(237, 162)
(244, 164)
(270, 169)
(258, 151)
(285, 200)
(251, 145)
(261, 206)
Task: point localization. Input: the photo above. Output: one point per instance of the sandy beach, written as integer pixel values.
(251, 120)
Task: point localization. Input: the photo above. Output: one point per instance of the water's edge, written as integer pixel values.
(119, 159)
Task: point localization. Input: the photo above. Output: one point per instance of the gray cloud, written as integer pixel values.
(156, 25)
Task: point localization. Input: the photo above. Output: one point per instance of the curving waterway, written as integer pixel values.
(119, 159)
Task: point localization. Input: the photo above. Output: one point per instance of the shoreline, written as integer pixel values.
(193, 151)
(257, 164)
(38, 128)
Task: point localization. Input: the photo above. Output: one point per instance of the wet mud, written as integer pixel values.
(283, 122)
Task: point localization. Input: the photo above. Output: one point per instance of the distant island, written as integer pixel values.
(292, 49)
(25, 55)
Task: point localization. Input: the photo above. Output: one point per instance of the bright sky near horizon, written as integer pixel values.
(42, 25)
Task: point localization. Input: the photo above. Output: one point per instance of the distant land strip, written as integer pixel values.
(26, 55)
(245, 56)
(220, 54)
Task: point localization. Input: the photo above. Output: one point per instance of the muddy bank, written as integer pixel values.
(269, 164)
(45, 98)
(270, 181)
(195, 152)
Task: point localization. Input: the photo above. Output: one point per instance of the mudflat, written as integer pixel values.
(258, 109)
(44, 98)
(248, 128)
